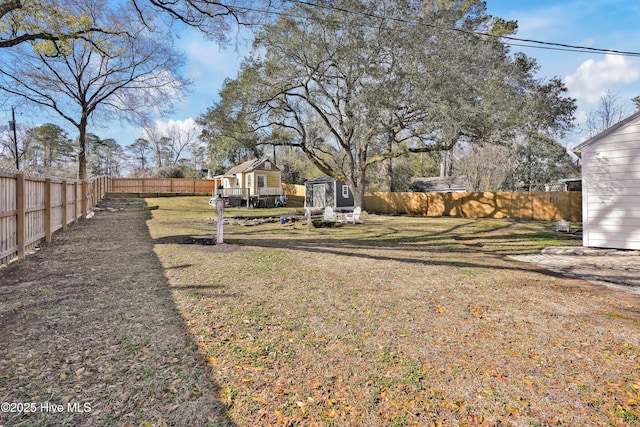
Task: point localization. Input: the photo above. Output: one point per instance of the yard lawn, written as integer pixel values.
(398, 321)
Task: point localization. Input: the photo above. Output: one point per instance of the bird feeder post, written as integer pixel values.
(219, 202)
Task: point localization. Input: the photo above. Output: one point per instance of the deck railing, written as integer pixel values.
(245, 192)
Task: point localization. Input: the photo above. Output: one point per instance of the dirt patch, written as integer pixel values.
(187, 240)
(91, 335)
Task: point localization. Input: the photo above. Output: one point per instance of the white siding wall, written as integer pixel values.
(611, 189)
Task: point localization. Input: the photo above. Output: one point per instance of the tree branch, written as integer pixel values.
(9, 6)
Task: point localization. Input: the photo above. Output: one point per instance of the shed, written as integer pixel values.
(327, 191)
(611, 186)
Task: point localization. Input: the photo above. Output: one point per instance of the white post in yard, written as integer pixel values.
(219, 220)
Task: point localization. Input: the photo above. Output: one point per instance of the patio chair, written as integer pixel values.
(353, 217)
(330, 215)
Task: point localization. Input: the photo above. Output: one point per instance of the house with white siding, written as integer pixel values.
(611, 186)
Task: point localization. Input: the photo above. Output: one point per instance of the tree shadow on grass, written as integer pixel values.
(114, 343)
(452, 246)
(459, 243)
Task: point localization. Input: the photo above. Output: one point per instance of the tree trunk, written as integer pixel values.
(82, 153)
(358, 187)
(358, 195)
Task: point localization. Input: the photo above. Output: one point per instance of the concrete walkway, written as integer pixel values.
(616, 269)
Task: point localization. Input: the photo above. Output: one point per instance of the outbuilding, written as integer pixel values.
(327, 191)
(256, 181)
(611, 186)
(448, 184)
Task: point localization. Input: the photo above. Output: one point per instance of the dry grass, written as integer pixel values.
(399, 321)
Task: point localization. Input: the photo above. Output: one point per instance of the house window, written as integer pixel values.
(267, 166)
(345, 191)
(262, 181)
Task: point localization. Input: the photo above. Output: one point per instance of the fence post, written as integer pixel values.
(219, 220)
(75, 202)
(20, 215)
(64, 205)
(48, 221)
(83, 199)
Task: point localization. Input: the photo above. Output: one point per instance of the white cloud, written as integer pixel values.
(170, 127)
(593, 78)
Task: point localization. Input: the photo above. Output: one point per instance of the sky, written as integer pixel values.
(605, 24)
(602, 24)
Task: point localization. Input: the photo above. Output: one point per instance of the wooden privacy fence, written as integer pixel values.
(33, 208)
(294, 190)
(149, 186)
(544, 206)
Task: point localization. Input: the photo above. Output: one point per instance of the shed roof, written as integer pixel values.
(321, 179)
(632, 118)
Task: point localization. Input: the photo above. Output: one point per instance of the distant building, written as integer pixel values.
(566, 184)
(254, 181)
(449, 184)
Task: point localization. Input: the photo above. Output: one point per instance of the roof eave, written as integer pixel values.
(579, 148)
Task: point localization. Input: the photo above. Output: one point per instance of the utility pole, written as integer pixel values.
(12, 126)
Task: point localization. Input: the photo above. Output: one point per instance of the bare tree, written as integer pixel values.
(214, 18)
(184, 137)
(158, 144)
(171, 140)
(484, 167)
(129, 76)
(609, 111)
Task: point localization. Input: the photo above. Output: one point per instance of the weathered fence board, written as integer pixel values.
(8, 211)
(33, 208)
(163, 185)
